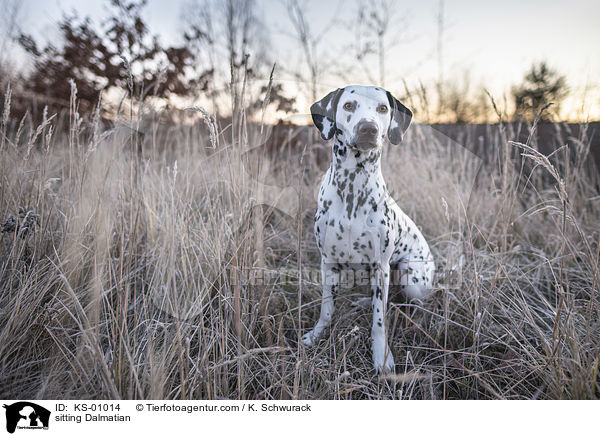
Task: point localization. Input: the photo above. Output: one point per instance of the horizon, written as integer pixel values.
(477, 53)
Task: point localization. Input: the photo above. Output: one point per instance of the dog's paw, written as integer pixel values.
(309, 339)
(383, 362)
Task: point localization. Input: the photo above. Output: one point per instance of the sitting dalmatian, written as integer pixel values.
(357, 223)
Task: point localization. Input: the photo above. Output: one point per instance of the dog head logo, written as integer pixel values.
(26, 415)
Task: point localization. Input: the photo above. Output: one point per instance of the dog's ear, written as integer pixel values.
(323, 113)
(401, 116)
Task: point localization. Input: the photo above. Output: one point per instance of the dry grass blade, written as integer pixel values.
(150, 273)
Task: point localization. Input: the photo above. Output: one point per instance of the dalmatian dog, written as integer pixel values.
(357, 223)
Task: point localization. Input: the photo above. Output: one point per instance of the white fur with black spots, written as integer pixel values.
(357, 223)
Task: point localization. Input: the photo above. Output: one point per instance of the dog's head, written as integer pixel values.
(362, 117)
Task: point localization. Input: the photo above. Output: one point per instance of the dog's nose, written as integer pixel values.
(367, 128)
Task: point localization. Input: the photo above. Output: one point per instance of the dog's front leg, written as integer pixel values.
(383, 361)
(331, 281)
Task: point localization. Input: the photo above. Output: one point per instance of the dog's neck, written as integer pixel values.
(360, 162)
(357, 176)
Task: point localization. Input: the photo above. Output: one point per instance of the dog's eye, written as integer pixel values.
(349, 106)
(382, 108)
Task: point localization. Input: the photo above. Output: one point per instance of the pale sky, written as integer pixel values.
(495, 42)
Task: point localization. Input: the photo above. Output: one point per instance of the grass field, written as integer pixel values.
(126, 273)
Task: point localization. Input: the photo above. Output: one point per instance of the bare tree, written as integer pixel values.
(440, 58)
(240, 21)
(232, 39)
(8, 28)
(377, 30)
(200, 33)
(458, 106)
(309, 42)
(466, 102)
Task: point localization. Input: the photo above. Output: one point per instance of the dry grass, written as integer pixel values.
(133, 283)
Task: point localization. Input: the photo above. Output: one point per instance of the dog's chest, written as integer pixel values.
(354, 223)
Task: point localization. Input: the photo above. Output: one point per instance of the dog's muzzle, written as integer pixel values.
(366, 135)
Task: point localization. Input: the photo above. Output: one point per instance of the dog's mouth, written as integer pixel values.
(364, 144)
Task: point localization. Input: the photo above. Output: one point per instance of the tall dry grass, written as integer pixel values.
(126, 273)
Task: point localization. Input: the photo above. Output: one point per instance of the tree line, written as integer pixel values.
(225, 47)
